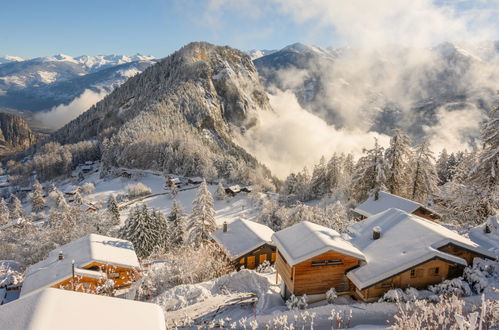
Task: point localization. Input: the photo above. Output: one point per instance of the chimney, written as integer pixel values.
(61, 255)
(225, 227)
(376, 195)
(376, 232)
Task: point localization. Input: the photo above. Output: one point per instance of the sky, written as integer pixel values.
(32, 28)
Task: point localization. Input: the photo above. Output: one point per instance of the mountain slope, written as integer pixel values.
(180, 115)
(15, 134)
(44, 82)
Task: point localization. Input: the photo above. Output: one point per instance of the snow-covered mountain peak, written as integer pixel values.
(8, 59)
(62, 58)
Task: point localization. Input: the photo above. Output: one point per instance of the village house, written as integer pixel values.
(393, 249)
(383, 201)
(311, 259)
(403, 250)
(233, 190)
(85, 265)
(195, 180)
(246, 243)
(53, 309)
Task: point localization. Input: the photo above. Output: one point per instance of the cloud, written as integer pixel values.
(292, 137)
(455, 129)
(62, 114)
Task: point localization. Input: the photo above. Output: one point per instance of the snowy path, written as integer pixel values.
(213, 308)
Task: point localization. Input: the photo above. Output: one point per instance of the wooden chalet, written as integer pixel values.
(85, 265)
(403, 250)
(311, 259)
(53, 309)
(384, 201)
(233, 190)
(246, 243)
(195, 180)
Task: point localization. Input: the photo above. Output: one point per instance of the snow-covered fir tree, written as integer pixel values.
(485, 175)
(16, 209)
(369, 174)
(161, 227)
(319, 181)
(220, 193)
(113, 210)
(269, 214)
(442, 167)
(177, 224)
(301, 212)
(173, 190)
(424, 177)
(202, 219)
(36, 198)
(397, 164)
(141, 231)
(4, 212)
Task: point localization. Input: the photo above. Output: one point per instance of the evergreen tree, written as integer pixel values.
(442, 167)
(160, 226)
(16, 209)
(485, 174)
(202, 220)
(173, 190)
(220, 194)
(140, 230)
(319, 182)
(397, 158)
(176, 220)
(269, 214)
(425, 179)
(334, 172)
(4, 212)
(301, 212)
(369, 175)
(452, 164)
(36, 198)
(113, 210)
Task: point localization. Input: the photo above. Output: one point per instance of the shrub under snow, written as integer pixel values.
(137, 189)
(331, 295)
(88, 188)
(294, 302)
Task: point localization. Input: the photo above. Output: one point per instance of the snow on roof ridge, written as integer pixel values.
(369, 207)
(334, 242)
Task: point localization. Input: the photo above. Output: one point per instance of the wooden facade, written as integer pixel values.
(426, 214)
(462, 253)
(256, 257)
(121, 277)
(420, 277)
(316, 275)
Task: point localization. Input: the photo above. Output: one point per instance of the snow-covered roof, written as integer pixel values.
(243, 236)
(236, 188)
(384, 202)
(406, 241)
(54, 309)
(487, 240)
(305, 240)
(84, 251)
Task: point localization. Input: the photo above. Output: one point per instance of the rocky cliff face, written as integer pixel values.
(15, 134)
(196, 100)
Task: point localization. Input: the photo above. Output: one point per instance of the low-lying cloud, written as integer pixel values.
(62, 114)
(292, 137)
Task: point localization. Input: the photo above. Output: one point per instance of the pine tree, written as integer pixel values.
(113, 210)
(369, 174)
(318, 183)
(160, 226)
(36, 198)
(140, 230)
(173, 190)
(269, 214)
(425, 179)
(442, 167)
(485, 175)
(176, 220)
(202, 220)
(4, 212)
(220, 194)
(397, 160)
(16, 209)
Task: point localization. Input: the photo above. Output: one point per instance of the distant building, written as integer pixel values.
(384, 201)
(195, 180)
(97, 259)
(233, 190)
(246, 243)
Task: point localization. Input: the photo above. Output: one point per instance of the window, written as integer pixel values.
(413, 273)
(386, 284)
(435, 271)
(335, 262)
(319, 263)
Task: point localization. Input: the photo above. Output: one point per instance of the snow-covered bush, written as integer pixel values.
(483, 275)
(393, 295)
(137, 189)
(265, 267)
(449, 313)
(295, 303)
(456, 286)
(184, 266)
(88, 188)
(331, 295)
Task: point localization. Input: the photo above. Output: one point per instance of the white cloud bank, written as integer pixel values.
(62, 114)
